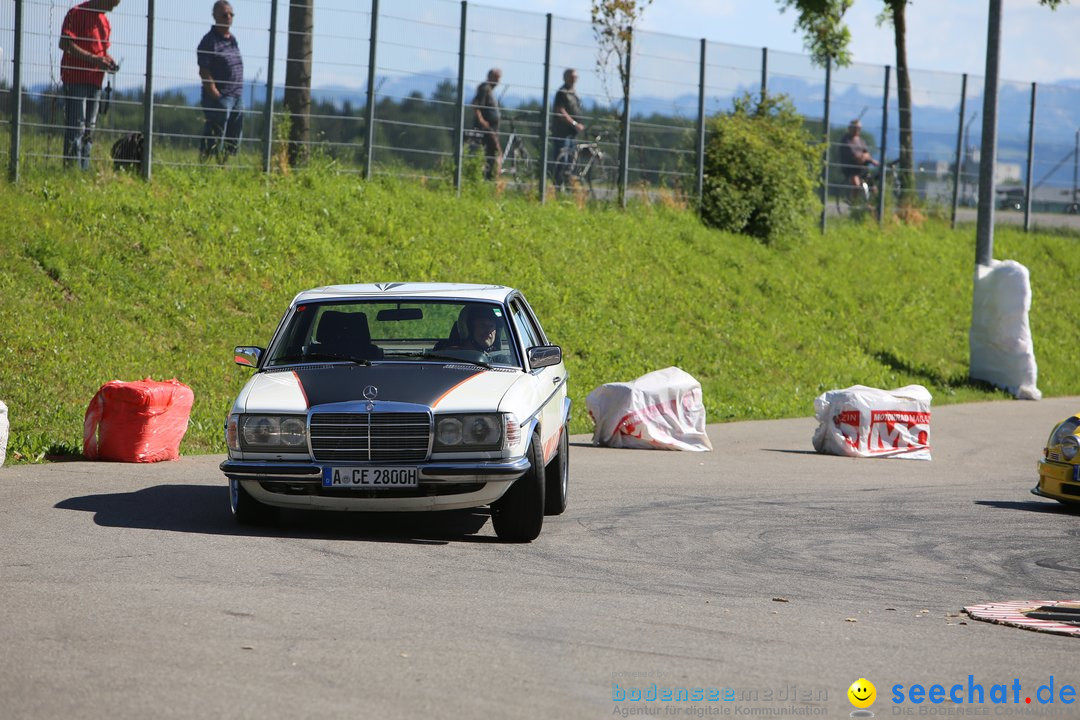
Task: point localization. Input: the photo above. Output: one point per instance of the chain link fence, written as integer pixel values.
(391, 91)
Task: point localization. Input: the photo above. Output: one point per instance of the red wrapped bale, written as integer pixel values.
(140, 421)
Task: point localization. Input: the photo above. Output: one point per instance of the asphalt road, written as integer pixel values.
(127, 592)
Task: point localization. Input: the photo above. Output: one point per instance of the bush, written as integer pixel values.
(761, 171)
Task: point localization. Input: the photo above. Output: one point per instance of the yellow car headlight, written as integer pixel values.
(1064, 430)
(1070, 446)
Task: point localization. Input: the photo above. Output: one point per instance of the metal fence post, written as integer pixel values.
(828, 143)
(701, 126)
(1030, 162)
(883, 173)
(148, 96)
(369, 114)
(268, 109)
(959, 150)
(16, 87)
(624, 151)
(1075, 207)
(459, 134)
(545, 111)
(764, 72)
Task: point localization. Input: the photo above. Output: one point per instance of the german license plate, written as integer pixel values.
(369, 477)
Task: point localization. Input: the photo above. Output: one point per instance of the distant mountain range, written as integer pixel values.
(1057, 116)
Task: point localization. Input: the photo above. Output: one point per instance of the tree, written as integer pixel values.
(827, 38)
(822, 24)
(613, 23)
(895, 12)
(298, 78)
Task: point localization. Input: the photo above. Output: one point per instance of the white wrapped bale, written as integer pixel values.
(861, 421)
(1002, 352)
(3, 432)
(661, 410)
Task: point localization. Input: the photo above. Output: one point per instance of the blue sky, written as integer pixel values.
(947, 35)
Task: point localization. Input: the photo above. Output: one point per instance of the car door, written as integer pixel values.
(550, 381)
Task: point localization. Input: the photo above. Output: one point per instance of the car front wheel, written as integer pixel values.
(246, 509)
(558, 477)
(518, 515)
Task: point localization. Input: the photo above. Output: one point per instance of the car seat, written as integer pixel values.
(346, 334)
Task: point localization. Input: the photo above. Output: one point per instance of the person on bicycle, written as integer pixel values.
(855, 157)
(486, 121)
(566, 125)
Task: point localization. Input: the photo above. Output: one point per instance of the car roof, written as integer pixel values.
(396, 292)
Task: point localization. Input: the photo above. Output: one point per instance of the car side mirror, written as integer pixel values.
(247, 355)
(544, 356)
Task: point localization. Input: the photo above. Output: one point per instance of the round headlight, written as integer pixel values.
(1070, 446)
(481, 430)
(449, 431)
(293, 432)
(1064, 430)
(260, 430)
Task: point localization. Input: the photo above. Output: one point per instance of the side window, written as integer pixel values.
(541, 338)
(524, 325)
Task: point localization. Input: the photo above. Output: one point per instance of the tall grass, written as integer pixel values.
(105, 277)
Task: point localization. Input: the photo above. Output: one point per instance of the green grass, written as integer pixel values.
(106, 277)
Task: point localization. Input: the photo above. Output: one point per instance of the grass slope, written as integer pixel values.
(107, 278)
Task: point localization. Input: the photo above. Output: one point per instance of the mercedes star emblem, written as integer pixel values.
(371, 392)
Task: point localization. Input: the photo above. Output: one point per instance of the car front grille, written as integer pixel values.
(391, 437)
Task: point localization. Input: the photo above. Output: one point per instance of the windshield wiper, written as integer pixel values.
(319, 356)
(441, 357)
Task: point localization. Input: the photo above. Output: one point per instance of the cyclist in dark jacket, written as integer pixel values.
(855, 158)
(566, 125)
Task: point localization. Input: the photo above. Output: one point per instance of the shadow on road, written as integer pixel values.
(204, 509)
(1030, 506)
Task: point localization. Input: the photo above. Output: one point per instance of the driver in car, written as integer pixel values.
(482, 329)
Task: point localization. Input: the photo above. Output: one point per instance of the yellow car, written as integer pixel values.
(1059, 470)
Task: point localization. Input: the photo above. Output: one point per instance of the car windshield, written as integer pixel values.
(406, 331)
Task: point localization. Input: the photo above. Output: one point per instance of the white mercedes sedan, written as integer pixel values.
(403, 397)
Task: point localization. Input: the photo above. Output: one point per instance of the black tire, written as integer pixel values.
(247, 510)
(557, 478)
(518, 515)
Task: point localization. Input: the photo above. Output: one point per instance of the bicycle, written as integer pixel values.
(584, 161)
(860, 199)
(516, 161)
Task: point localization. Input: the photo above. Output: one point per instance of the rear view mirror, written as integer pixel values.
(396, 314)
(247, 355)
(544, 356)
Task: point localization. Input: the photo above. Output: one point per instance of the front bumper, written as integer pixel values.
(442, 485)
(1058, 481)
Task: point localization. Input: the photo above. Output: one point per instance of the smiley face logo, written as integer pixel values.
(862, 693)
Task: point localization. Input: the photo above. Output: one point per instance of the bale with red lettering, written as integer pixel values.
(862, 421)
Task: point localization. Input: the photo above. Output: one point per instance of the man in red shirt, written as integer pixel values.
(84, 38)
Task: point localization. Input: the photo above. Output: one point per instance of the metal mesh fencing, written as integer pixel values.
(432, 55)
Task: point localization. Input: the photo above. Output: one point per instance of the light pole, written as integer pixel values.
(984, 232)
